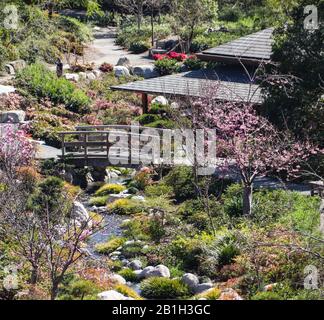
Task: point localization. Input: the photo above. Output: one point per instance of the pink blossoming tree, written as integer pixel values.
(250, 144)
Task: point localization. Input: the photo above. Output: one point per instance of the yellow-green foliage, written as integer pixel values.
(73, 191)
(125, 207)
(98, 201)
(128, 292)
(108, 189)
(110, 246)
(212, 294)
(96, 217)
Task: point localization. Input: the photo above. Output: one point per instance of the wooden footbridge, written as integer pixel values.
(109, 145)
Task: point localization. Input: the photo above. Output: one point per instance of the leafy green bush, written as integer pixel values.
(147, 119)
(162, 124)
(163, 288)
(127, 292)
(43, 83)
(125, 207)
(108, 189)
(230, 13)
(181, 180)
(223, 251)
(110, 246)
(158, 190)
(139, 47)
(99, 201)
(267, 296)
(128, 275)
(212, 294)
(133, 250)
(167, 66)
(187, 251)
(193, 63)
(233, 200)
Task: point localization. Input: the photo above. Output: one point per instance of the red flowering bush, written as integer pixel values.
(171, 55)
(106, 67)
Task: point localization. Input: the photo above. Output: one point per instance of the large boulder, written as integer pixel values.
(135, 265)
(6, 89)
(200, 288)
(121, 71)
(145, 71)
(160, 271)
(18, 64)
(112, 295)
(161, 100)
(80, 212)
(190, 280)
(15, 116)
(91, 76)
(9, 69)
(72, 77)
(116, 278)
(124, 62)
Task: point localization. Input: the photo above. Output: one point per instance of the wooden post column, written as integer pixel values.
(145, 104)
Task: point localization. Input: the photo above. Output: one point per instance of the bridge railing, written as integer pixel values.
(99, 144)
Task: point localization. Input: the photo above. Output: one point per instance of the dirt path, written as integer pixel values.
(104, 49)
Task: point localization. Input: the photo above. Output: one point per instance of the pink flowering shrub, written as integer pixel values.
(12, 101)
(16, 150)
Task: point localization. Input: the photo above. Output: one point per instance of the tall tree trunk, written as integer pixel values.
(54, 289)
(247, 199)
(34, 275)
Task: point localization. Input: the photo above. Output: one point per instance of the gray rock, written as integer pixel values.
(18, 64)
(116, 278)
(203, 287)
(135, 265)
(124, 62)
(161, 100)
(9, 69)
(97, 73)
(112, 295)
(125, 262)
(121, 71)
(145, 71)
(6, 89)
(91, 76)
(80, 212)
(175, 105)
(15, 116)
(146, 273)
(159, 271)
(72, 77)
(190, 280)
(138, 273)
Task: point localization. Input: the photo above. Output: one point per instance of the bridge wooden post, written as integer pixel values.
(145, 103)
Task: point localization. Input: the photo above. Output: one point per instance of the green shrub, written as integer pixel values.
(43, 83)
(127, 292)
(167, 66)
(110, 246)
(139, 47)
(125, 207)
(233, 200)
(193, 63)
(163, 288)
(81, 288)
(267, 296)
(223, 251)
(162, 124)
(158, 190)
(128, 274)
(133, 250)
(147, 119)
(181, 181)
(212, 294)
(187, 251)
(156, 230)
(230, 13)
(99, 201)
(108, 189)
